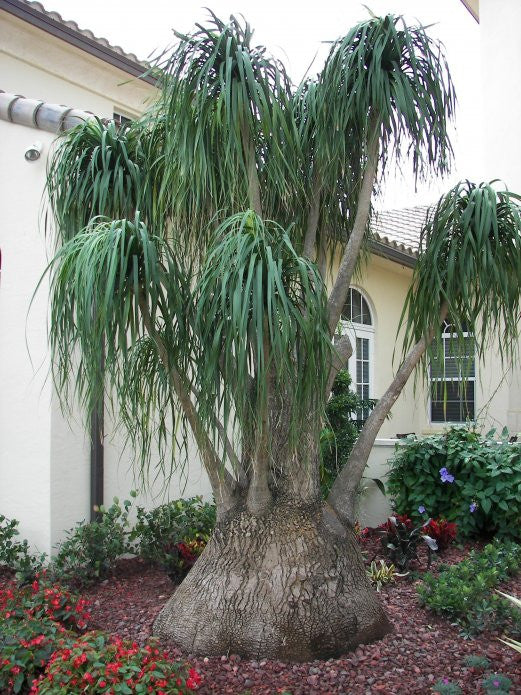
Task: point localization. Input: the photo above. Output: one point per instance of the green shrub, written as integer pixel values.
(95, 663)
(463, 593)
(337, 439)
(174, 534)
(91, 549)
(33, 622)
(462, 477)
(26, 645)
(15, 554)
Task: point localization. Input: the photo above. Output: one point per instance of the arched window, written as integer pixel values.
(357, 322)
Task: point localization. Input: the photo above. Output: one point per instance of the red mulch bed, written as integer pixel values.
(421, 650)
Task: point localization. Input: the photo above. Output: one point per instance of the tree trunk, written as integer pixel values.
(286, 584)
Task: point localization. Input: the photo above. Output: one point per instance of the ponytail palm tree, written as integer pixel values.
(192, 247)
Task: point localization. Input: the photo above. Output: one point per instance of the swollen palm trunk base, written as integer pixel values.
(277, 586)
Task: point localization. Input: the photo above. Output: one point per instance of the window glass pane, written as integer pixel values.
(356, 307)
(452, 374)
(366, 314)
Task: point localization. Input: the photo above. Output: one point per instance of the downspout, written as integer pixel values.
(56, 118)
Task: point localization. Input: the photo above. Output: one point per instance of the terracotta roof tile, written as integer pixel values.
(70, 24)
(400, 228)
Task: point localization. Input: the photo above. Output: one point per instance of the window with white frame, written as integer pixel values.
(357, 322)
(453, 378)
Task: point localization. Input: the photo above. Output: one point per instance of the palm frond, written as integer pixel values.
(470, 257)
(261, 323)
(96, 169)
(221, 98)
(97, 280)
(382, 74)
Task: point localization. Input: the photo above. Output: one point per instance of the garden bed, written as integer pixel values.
(422, 649)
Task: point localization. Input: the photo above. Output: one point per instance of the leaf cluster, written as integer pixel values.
(400, 541)
(463, 592)
(469, 259)
(487, 474)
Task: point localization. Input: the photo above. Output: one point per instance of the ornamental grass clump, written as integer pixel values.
(463, 592)
(96, 663)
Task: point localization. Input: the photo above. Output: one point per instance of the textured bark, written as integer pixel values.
(284, 585)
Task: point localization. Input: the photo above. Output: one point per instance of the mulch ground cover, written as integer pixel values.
(421, 650)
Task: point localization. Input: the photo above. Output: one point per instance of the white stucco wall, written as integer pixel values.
(45, 457)
(25, 395)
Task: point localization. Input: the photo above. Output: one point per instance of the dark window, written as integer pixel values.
(453, 378)
(119, 119)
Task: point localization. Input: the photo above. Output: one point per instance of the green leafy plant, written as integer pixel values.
(476, 661)
(26, 645)
(380, 574)
(96, 663)
(462, 592)
(44, 600)
(15, 554)
(400, 541)
(337, 439)
(90, 550)
(496, 683)
(445, 687)
(482, 498)
(174, 534)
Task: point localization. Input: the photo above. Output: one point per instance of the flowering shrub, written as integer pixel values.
(26, 645)
(462, 477)
(174, 534)
(41, 600)
(443, 531)
(97, 664)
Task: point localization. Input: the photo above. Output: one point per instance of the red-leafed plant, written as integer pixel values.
(444, 532)
(390, 525)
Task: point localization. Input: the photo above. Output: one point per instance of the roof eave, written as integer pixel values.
(61, 31)
(392, 254)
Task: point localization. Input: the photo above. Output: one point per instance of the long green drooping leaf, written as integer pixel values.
(96, 333)
(261, 323)
(470, 257)
(382, 72)
(98, 169)
(224, 100)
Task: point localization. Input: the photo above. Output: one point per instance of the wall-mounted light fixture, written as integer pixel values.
(33, 152)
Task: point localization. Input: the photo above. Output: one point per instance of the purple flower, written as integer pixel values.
(473, 507)
(421, 509)
(445, 476)
(496, 683)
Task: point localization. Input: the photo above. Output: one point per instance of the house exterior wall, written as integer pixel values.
(45, 457)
